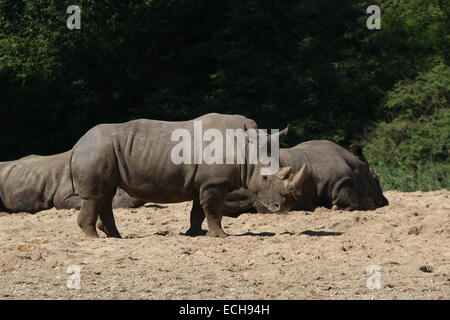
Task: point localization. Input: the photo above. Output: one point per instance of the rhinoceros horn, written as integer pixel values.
(283, 172)
(295, 182)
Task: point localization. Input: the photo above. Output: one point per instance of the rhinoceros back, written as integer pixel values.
(30, 184)
(137, 156)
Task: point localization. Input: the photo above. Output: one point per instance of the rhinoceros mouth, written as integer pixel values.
(274, 208)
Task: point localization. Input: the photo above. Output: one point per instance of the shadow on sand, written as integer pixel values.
(252, 234)
(154, 205)
(272, 234)
(321, 233)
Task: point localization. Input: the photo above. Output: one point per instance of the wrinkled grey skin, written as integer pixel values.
(35, 183)
(136, 156)
(335, 179)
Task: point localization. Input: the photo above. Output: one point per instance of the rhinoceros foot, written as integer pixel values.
(217, 234)
(195, 232)
(114, 234)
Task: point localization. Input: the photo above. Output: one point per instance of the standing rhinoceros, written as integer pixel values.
(335, 178)
(35, 183)
(137, 156)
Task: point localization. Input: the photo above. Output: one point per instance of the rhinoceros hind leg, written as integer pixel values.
(212, 200)
(197, 218)
(338, 208)
(345, 198)
(100, 226)
(87, 217)
(107, 221)
(367, 203)
(195, 233)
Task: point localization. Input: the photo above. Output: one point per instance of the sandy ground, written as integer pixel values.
(300, 255)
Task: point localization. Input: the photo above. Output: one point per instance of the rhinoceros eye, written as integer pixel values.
(265, 178)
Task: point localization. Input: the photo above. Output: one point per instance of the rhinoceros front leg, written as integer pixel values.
(212, 200)
(197, 218)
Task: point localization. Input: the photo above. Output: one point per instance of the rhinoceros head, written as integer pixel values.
(274, 191)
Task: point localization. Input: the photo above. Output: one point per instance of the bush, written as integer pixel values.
(412, 151)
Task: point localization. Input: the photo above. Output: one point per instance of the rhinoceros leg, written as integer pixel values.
(367, 203)
(107, 221)
(87, 217)
(197, 218)
(90, 211)
(101, 226)
(345, 197)
(97, 213)
(212, 200)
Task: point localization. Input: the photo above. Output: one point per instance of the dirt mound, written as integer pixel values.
(397, 252)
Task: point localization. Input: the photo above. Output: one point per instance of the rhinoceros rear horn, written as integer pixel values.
(296, 181)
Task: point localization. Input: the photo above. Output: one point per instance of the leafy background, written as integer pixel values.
(310, 63)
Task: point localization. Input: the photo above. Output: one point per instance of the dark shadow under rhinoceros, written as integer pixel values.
(138, 157)
(335, 178)
(35, 183)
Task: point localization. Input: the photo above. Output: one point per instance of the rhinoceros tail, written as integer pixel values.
(70, 172)
(72, 192)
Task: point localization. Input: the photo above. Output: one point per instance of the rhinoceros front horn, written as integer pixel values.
(295, 182)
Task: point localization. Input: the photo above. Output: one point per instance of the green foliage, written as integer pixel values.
(423, 96)
(412, 151)
(424, 178)
(409, 148)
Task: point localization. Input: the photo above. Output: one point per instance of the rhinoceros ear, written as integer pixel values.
(296, 181)
(283, 173)
(275, 137)
(281, 134)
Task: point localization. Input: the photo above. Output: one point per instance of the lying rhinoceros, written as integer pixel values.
(35, 183)
(335, 178)
(138, 157)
